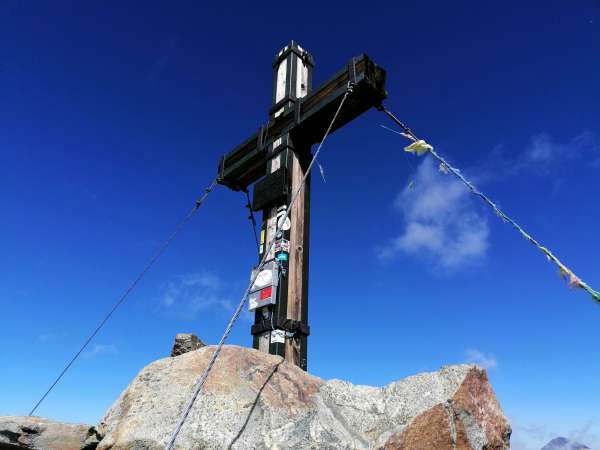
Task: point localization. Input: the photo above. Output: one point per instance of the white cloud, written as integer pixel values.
(534, 435)
(542, 155)
(545, 153)
(542, 149)
(203, 279)
(52, 336)
(529, 437)
(442, 223)
(101, 349)
(485, 361)
(586, 434)
(191, 293)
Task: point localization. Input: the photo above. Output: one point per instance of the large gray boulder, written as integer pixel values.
(253, 400)
(19, 432)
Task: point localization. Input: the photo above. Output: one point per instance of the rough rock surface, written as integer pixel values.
(254, 400)
(17, 432)
(186, 342)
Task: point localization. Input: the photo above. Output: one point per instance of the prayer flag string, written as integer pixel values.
(420, 147)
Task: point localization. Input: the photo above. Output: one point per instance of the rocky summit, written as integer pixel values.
(254, 400)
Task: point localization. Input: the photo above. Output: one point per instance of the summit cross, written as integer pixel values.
(275, 160)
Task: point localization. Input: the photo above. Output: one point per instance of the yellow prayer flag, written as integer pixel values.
(420, 147)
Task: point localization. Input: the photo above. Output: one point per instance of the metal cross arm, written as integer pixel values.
(304, 120)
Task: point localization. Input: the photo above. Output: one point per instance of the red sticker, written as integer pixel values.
(266, 293)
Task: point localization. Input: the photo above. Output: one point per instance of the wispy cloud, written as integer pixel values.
(544, 151)
(189, 294)
(483, 360)
(544, 154)
(101, 349)
(534, 435)
(586, 434)
(52, 336)
(442, 224)
(529, 437)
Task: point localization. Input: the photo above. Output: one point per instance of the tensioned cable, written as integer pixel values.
(251, 218)
(420, 146)
(238, 311)
(131, 287)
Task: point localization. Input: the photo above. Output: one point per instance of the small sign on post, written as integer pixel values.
(262, 292)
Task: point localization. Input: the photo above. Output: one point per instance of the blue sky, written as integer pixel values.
(113, 118)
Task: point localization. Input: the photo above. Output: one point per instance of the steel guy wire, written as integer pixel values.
(238, 310)
(131, 287)
(251, 218)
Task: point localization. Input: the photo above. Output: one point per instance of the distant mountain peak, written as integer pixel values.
(562, 443)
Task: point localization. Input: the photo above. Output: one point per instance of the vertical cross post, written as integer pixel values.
(289, 159)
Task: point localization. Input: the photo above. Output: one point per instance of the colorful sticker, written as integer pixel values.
(278, 336)
(266, 293)
(283, 245)
(282, 256)
(261, 298)
(262, 237)
(284, 225)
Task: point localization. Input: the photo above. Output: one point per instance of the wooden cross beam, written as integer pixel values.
(276, 158)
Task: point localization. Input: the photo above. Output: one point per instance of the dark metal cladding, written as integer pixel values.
(307, 120)
(290, 325)
(270, 189)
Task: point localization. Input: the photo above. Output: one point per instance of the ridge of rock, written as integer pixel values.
(256, 400)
